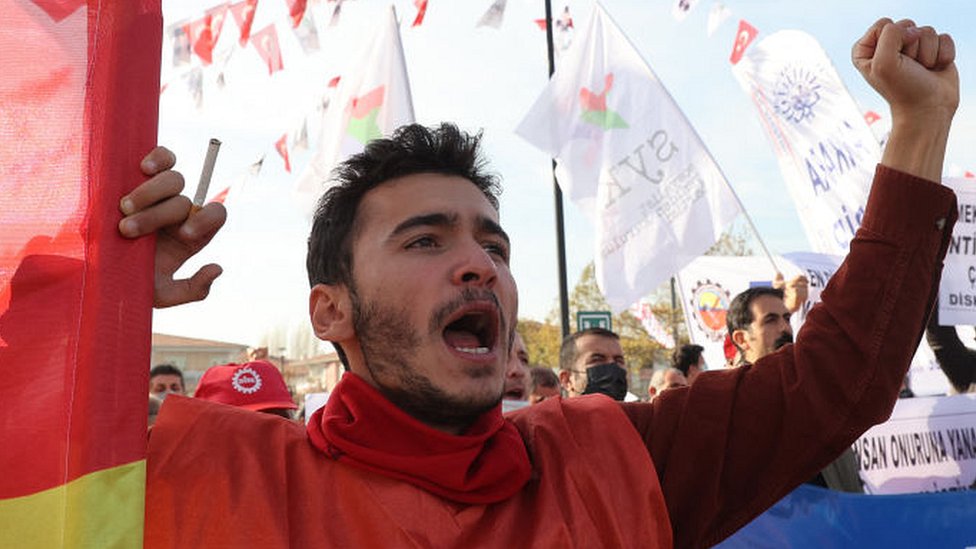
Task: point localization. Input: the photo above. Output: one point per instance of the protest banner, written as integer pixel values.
(927, 445)
(957, 294)
(709, 283)
(813, 518)
(826, 151)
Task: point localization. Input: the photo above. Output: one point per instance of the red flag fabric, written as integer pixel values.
(281, 145)
(205, 32)
(871, 117)
(59, 9)
(743, 37)
(221, 196)
(75, 297)
(266, 43)
(541, 23)
(969, 175)
(243, 13)
(421, 12)
(296, 10)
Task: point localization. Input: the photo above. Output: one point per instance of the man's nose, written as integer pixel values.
(475, 266)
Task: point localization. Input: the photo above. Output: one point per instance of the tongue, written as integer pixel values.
(461, 338)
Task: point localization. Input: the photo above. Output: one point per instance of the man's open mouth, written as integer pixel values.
(516, 393)
(473, 329)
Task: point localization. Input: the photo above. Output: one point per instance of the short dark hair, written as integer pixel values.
(540, 376)
(686, 356)
(411, 150)
(567, 351)
(739, 316)
(166, 370)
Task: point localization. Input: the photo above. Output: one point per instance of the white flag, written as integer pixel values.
(630, 160)
(372, 100)
(716, 16)
(826, 151)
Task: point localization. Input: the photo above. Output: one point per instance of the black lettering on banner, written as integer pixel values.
(962, 443)
(925, 448)
(871, 453)
(962, 244)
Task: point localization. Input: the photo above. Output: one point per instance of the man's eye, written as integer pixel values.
(422, 242)
(496, 249)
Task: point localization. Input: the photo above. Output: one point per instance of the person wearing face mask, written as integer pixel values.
(592, 361)
(758, 321)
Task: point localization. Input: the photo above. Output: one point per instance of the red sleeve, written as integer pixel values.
(738, 440)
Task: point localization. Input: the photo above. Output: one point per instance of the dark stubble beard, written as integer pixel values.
(390, 344)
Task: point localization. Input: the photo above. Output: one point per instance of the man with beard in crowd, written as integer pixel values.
(410, 278)
(758, 321)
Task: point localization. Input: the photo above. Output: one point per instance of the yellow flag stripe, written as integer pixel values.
(101, 509)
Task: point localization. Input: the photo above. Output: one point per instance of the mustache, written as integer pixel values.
(783, 339)
(468, 295)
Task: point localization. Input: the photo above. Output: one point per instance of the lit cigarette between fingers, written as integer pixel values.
(206, 174)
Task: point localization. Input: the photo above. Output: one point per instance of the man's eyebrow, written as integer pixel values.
(488, 225)
(426, 220)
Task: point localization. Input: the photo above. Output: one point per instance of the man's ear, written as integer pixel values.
(330, 309)
(739, 338)
(566, 380)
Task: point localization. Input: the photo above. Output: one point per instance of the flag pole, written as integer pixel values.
(742, 207)
(558, 199)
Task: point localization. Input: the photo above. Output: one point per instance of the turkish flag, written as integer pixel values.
(266, 43)
(745, 35)
(296, 10)
(281, 145)
(243, 13)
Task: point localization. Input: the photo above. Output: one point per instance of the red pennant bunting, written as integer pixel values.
(59, 9)
(205, 31)
(969, 175)
(221, 196)
(746, 34)
(266, 43)
(334, 81)
(541, 23)
(244, 15)
(871, 117)
(296, 10)
(281, 145)
(421, 12)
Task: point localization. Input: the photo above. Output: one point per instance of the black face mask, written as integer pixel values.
(783, 339)
(608, 379)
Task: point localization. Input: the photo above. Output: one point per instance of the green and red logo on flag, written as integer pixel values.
(594, 107)
(364, 111)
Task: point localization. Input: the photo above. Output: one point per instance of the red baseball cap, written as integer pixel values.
(254, 386)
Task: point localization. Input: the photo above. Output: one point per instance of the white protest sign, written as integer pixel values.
(928, 445)
(957, 294)
(709, 284)
(826, 150)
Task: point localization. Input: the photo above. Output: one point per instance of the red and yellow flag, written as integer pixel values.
(78, 109)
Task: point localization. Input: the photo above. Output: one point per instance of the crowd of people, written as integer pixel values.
(408, 265)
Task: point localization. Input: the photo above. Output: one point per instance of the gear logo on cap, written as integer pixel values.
(246, 381)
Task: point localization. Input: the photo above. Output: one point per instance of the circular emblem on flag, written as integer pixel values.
(797, 91)
(709, 304)
(246, 381)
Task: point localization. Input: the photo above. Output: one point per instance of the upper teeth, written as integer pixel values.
(473, 350)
